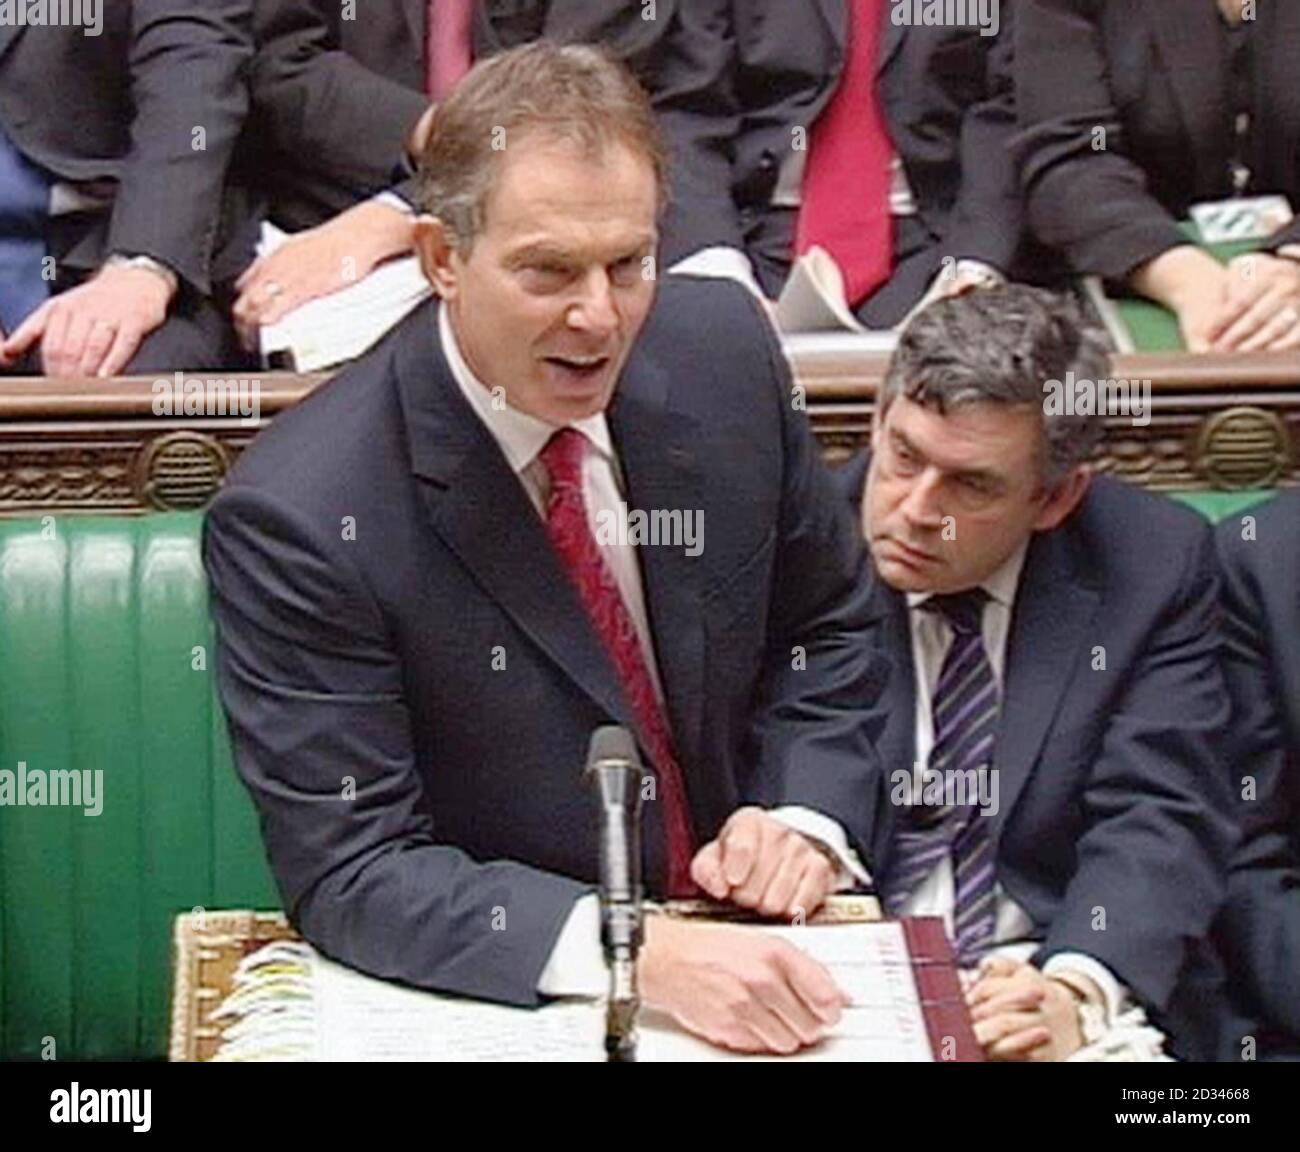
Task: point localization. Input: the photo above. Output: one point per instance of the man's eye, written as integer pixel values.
(545, 275)
(626, 270)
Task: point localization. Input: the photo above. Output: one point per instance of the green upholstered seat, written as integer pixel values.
(106, 664)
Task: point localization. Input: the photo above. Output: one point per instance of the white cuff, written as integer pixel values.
(829, 832)
(576, 966)
(394, 201)
(722, 263)
(1115, 995)
(978, 270)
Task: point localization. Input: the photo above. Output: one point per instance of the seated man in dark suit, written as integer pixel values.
(432, 580)
(882, 141)
(342, 106)
(115, 229)
(1134, 111)
(1260, 552)
(1056, 643)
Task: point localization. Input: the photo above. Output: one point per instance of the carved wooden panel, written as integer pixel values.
(1215, 424)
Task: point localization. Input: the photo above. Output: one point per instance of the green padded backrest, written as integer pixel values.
(106, 664)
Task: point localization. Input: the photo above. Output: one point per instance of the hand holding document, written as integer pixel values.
(331, 330)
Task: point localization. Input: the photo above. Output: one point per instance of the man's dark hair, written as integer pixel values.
(1003, 345)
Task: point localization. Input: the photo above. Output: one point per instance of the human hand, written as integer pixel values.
(1020, 1014)
(1262, 312)
(737, 987)
(760, 863)
(318, 262)
(96, 328)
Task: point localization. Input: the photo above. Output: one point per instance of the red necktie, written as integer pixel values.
(846, 180)
(570, 534)
(448, 45)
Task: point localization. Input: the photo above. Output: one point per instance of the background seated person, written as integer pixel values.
(884, 143)
(116, 233)
(342, 108)
(1035, 642)
(1132, 111)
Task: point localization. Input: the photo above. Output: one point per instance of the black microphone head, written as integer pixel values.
(612, 742)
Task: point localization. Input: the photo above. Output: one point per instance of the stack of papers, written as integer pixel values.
(291, 1003)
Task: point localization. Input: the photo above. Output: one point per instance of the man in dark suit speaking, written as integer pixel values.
(1055, 642)
(555, 500)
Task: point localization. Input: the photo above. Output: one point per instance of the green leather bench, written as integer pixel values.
(106, 664)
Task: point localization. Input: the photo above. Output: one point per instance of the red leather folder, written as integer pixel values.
(934, 968)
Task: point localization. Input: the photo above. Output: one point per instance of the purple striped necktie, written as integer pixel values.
(965, 709)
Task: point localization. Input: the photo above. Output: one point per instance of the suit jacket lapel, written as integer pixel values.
(1054, 608)
(1193, 48)
(657, 448)
(478, 507)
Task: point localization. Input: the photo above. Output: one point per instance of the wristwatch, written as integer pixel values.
(120, 260)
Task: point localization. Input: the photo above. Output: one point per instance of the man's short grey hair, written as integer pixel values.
(572, 92)
(1003, 345)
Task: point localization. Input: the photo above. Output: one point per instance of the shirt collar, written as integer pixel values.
(1000, 585)
(520, 436)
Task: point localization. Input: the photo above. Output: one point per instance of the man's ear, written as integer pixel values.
(1063, 499)
(435, 247)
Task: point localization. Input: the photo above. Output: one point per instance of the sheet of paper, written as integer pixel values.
(813, 298)
(359, 1018)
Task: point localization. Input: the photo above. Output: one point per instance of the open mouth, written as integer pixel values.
(579, 363)
(578, 371)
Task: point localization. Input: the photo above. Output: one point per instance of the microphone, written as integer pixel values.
(614, 766)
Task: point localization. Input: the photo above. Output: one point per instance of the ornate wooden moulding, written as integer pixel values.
(138, 445)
